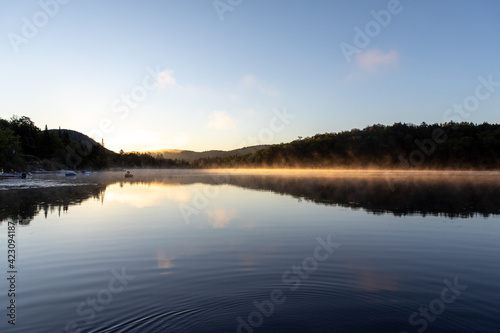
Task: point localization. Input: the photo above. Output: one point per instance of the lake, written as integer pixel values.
(251, 251)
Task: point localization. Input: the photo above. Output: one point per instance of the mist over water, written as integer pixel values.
(237, 251)
(449, 193)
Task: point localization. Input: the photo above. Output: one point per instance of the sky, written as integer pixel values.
(224, 74)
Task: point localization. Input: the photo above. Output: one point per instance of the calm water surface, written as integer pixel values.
(192, 251)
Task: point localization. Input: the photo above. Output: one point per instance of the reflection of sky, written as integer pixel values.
(164, 263)
(241, 242)
(149, 195)
(192, 196)
(219, 218)
(252, 225)
(215, 206)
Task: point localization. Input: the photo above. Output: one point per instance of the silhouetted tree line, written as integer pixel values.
(24, 146)
(400, 146)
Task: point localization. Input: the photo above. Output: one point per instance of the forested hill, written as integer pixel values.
(24, 146)
(74, 136)
(400, 146)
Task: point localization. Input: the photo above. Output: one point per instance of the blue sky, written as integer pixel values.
(205, 74)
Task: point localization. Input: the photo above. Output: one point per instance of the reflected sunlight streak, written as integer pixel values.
(147, 195)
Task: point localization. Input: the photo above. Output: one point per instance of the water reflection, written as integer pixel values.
(220, 218)
(164, 263)
(461, 195)
(24, 205)
(146, 194)
(202, 276)
(452, 195)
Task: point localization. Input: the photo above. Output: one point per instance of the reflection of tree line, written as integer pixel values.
(23, 205)
(454, 195)
(400, 195)
(404, 195)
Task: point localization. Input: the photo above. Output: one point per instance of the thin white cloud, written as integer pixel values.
(374, 60)
(166, 78)
(247, 83)
(220, 120)
(250, 82)
(248, 112)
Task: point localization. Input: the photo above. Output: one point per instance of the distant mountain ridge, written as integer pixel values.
(189, 155)
(179, 154)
